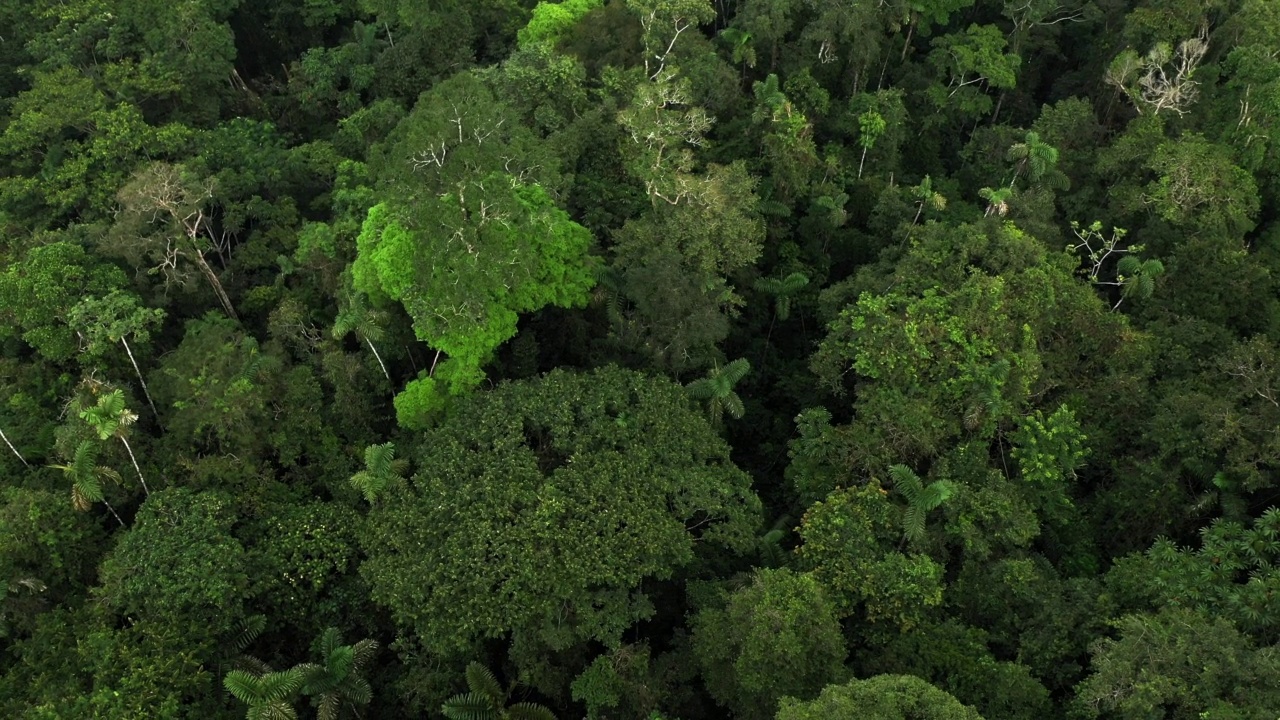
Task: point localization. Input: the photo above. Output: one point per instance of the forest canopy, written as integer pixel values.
(640, 359)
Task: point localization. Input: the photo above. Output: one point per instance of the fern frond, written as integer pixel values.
(481, 680)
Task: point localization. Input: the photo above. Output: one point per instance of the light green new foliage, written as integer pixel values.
(552, 19)
(465, 280)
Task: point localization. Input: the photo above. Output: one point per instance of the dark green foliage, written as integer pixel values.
(674, 359)
(776, 637)
(609, 476)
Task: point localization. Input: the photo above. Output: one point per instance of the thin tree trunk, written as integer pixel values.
(113, 512)
(860, 162)
(907, 43)
(14, 449)
(379, 357)
(136, 469)
(141, 382)
(215, 284)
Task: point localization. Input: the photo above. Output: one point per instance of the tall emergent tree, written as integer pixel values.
(609, 476)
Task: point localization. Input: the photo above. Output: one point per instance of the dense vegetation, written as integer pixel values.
(631, 359)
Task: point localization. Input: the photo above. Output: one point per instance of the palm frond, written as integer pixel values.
(733, 405)
(481, 680)
(735, 371)
(469, 706)
(379, 458)
(248, 631)
(329, 707)
(281, 685)
(906, 482)
(329, 640)
(913, 523)
(244, 687)
(702, 388)
(529, 711)
(936, 493)
(363, 652)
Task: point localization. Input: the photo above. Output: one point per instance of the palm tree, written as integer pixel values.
(920, 498)
(355, 315)
(1034, 157)
(486, 700)
(1136, 277)
(381, 468)
(926, 196)
(336, 679)
(86, 477)
(269, 695)
(717, 389)
(997, 200)
(110, 418)
(782, 289)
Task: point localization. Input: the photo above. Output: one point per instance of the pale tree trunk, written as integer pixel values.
(141, 382)
(136, 469)
(113, 512)
(216, 284)
(14, 449)
(379, 357)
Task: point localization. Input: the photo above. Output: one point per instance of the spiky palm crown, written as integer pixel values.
(486, 700)
(86, 476)
(109, 416)
(1137, 277)
(717, 389)
(269, 695)
(920, 499)
(782, 289)
(336, 679)
(381, 468)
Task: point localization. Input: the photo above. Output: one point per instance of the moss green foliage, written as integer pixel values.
(883, 697)
(778, 636)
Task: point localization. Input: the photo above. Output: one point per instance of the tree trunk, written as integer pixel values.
(215, 284)
(136, 469)
(379, 357)
(113, 512)
(141, 382)
(14, 449)
(863, 160)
